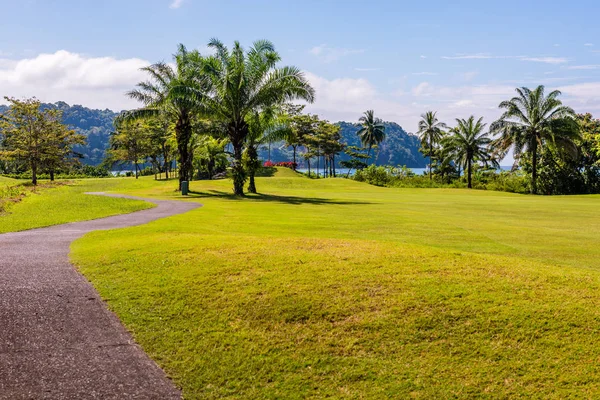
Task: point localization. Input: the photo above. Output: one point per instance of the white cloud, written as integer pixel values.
(423, 57)
(425, 73)
(330, 54)
(92, 81)
(546, 60)
(488, 56)
(589, 45)
(176, 4)
(584, 67)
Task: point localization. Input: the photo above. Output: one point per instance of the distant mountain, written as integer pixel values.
(399, 147)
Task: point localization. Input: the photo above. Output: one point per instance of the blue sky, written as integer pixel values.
(399, 58)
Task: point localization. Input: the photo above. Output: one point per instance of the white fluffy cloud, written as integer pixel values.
(92, 81)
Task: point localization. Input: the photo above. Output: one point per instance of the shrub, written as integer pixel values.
(286, 164)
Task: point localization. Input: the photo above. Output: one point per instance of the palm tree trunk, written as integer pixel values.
(470, 185)
(253, 154)
(430, 158)
(183, 134)
(237, 134)
(534, 167)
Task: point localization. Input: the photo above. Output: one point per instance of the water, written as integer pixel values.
(416, 171)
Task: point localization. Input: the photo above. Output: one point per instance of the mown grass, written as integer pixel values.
(332, 288)
(63, 202)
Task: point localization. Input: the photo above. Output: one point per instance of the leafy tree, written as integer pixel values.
(469, 143)
(357, 159)
(161, 143)
(329, 142)
(36, 136)
(372, 132)
(130, 143)
(245, 82)
(531, 122)
(430, 132)
(263, 127)
(210, 155)
(172, 92)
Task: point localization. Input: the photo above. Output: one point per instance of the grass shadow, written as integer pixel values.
(294, 200)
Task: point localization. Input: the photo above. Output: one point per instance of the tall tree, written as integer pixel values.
(243, 82)
(36, 137)
(130, 143)
(430, 131)
(372, 131)
(469, 143)
(167, 93)
(263, 127)
(532, 121)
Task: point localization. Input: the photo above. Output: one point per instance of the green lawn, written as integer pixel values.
(46, 206)
(332, 288)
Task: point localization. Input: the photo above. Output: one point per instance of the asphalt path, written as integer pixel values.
(57, 338)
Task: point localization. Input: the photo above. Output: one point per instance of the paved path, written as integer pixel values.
(57, 338)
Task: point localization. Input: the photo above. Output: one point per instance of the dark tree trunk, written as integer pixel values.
(430, 159)
(34, 173)
(308, 163)
(136, 170)
(294, 166)
(333, 162)
(183, 134)
(534, 166)
(253, 155)
(51, 175)
(469, 173)
(237, 134)
(165, 160)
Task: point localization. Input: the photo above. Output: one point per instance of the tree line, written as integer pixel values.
(557, 149)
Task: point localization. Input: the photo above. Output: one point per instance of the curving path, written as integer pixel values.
(57, 338)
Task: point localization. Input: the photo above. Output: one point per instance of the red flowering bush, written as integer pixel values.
(287, 164)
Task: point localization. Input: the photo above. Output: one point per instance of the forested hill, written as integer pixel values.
(96, 125)
(399, 147)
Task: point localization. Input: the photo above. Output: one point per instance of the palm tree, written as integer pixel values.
(372, 132)
(162, 96)
(266, 126)
(468, 143)
(531, 122)
(430, 132)
(245, 82)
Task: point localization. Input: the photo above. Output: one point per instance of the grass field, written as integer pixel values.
(46, 206)
(333, 288)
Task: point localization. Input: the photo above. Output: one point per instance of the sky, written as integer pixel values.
(399, 58)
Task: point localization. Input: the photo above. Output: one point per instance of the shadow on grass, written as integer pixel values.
(272, 198)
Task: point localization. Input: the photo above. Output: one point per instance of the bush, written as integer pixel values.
(514, 182)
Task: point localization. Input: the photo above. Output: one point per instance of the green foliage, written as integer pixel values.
(431, 133)
(36, 137)
(242, 82)
(533, 123)
(468, 144)
(372, 131)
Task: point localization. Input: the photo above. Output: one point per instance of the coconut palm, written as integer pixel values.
(245, 82)
(532, 121)
(162, 96)
(266, 126)
(430, 132)
(468, 143)
(372, 131)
